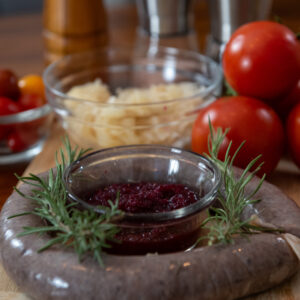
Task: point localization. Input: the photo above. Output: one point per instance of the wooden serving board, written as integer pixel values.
(286, 177)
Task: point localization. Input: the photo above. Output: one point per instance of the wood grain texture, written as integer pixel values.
(13, 296)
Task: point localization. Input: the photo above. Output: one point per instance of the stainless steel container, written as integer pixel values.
(166, 23)
(164, 17)
(227, 15)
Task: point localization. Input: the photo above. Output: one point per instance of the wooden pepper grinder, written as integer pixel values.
(72, 26)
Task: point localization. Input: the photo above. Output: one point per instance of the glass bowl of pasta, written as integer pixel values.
(125, 96)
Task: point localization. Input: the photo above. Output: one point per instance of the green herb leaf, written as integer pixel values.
(84, 230)
(225, 222)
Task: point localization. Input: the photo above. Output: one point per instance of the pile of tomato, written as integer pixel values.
(261, 63)
(18, 95)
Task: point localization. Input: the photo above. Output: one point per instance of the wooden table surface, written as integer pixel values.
(21, 50)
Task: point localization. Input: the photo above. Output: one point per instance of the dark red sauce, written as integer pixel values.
(155, 240)
(148, 197)
(145, 197)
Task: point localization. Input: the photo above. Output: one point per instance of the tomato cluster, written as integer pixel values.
(17, 95)
(261, 63)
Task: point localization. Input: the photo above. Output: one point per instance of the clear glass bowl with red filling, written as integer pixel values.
(23, 134)
(163, 191)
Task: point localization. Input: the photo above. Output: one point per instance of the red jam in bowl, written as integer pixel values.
(151, 237)
(145, 197)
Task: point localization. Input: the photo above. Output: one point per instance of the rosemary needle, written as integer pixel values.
(224, 222)
(84, 230)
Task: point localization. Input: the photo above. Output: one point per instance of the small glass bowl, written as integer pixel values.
(29, 129)
(117, 122)
(142, 233)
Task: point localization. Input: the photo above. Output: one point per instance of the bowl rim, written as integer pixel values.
(164, 50)
(26, 115)
(183, 212)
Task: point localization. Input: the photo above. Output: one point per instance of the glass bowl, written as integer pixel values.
(149, 97)
(141, 233)
(25, 132)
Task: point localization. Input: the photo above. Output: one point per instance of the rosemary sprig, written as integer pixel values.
(84, 230)
(224, 222)
(87, 231)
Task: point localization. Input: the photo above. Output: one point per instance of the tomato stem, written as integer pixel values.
(278, 19)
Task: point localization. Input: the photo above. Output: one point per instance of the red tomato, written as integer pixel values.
(249, 120)
(15, 142)
(7, 107)
(32, 131)
(9, 84)
(284, 106)
(293, 133)
(262, 60)
(30, 101)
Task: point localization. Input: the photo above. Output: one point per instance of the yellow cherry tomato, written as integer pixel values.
(32, 84)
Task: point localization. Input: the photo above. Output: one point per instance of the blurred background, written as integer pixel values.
(12, 7)
(21, 23)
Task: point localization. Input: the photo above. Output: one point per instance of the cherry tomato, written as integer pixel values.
(30, 101)
(293, 133)
(262, 60)
(249, 120)
(9, 85)
(32, 131)
(7, 107)
(284, 106)
(32, 84)
(15, 142)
